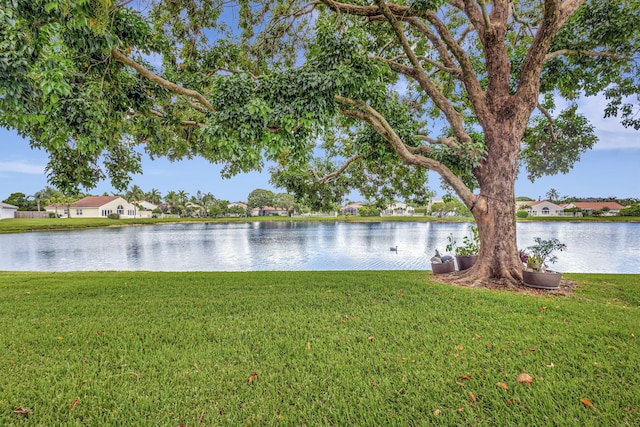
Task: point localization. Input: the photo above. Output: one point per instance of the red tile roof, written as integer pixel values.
(598, 205)
(93, 201)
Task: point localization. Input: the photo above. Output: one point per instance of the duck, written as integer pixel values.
(394, 249)
(436, 259)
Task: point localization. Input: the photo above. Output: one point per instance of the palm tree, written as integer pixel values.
(182, 199)
(153, 196)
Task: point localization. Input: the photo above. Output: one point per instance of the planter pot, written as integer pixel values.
(466, 262)
(541, 279)
(443, 267)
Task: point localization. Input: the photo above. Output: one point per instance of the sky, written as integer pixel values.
(611, 169)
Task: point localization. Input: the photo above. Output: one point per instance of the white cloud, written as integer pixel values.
(19, 167)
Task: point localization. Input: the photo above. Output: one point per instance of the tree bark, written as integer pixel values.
(494, 206)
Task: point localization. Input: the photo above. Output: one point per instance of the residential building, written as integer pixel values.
(610, 208)
(544, 208)
(351, 208)
(7, 210)
(99, 207)
(398, 209)
(269, 211)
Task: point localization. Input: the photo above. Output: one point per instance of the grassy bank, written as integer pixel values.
(21, 225)
(327, 348)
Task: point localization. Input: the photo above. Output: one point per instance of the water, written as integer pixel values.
(254, 246)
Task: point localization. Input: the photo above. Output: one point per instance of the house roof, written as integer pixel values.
(94, 201)
(7, 205)
(598, 205)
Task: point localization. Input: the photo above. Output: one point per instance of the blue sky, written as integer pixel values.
(612, 168)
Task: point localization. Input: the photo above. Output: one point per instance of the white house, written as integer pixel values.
(544, 208)
(7, 210)
(398, 209)
(99, 207)
(269, 211)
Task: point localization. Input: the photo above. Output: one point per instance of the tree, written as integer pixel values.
(259, 198)
(154, 196)
(19, 200)
(382, 92)
(553, 195)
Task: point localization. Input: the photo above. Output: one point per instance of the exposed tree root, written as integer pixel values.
(470, 279)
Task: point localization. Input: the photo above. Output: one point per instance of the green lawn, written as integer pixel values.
(329, 348)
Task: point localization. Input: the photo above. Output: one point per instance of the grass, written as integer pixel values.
(328, 348)
(21, 225)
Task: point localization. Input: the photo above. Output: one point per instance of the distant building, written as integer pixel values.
(398, 209)
(351, 208)
(544, 208)
(7, 210)
(269, 211)
(98, 207)
(589, 207)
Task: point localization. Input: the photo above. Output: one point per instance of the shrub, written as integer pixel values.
(633, 210)
(52, 214)
(113, 216)
(522, 214)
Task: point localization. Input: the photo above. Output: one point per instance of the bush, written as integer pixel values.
(522, 214)
(52, 214)
(113, 216)
(633, 210)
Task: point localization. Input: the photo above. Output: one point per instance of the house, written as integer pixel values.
(610, 208)
(544, 208)
(351, 208)
(237, 209)
(99, 207)
(398, 209)
(7, 210)
(269, 211)
(147, 206)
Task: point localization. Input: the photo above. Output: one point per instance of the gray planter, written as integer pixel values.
(542, 279)
(466, 262)
(443, 267)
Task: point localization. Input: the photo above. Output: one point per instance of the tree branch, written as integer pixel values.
(561, 52)
(191, 123)
(363, 112)
(120, 57)
(552, 132)
(334, 174)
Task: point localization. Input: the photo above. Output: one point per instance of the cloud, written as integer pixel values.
(19, 167)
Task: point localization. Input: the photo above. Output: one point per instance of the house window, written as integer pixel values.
(545, 211)
(120, 210)
(131, 213)
(106, 212)
(66, 211)
(79, 212)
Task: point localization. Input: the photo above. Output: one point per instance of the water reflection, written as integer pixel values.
(252, 246)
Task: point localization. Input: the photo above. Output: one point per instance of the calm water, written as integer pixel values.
(599, 247)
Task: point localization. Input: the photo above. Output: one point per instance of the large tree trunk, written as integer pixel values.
(494, 207)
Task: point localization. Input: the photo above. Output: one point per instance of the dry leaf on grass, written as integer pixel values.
(525, 379)
(503, 386)
(23, 411)
(472, 396)
(252, 378)
(586, 402)
(437, 412)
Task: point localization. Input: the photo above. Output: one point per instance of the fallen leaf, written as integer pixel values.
(464, 377)
(201, 416)
(586, 402)
(461, 409)
(23, 411)
(370, 338)
(472, 396)
(551, 365)
(404, 379)
(543, 308)
(308, 345)
(503, 386)
(525, 379)
(252, 378)
(459, 347)
(74, 403)
(460, 383)
(437, 412)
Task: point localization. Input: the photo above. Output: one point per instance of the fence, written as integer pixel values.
(31, 214)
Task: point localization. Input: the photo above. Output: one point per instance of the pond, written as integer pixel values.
(254, 246)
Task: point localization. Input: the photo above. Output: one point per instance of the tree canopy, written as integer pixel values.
(365, 95)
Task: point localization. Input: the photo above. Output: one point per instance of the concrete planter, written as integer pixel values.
(443, 267)
(466, 262)
(542, 279)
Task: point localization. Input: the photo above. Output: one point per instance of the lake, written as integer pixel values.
(253, 246)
